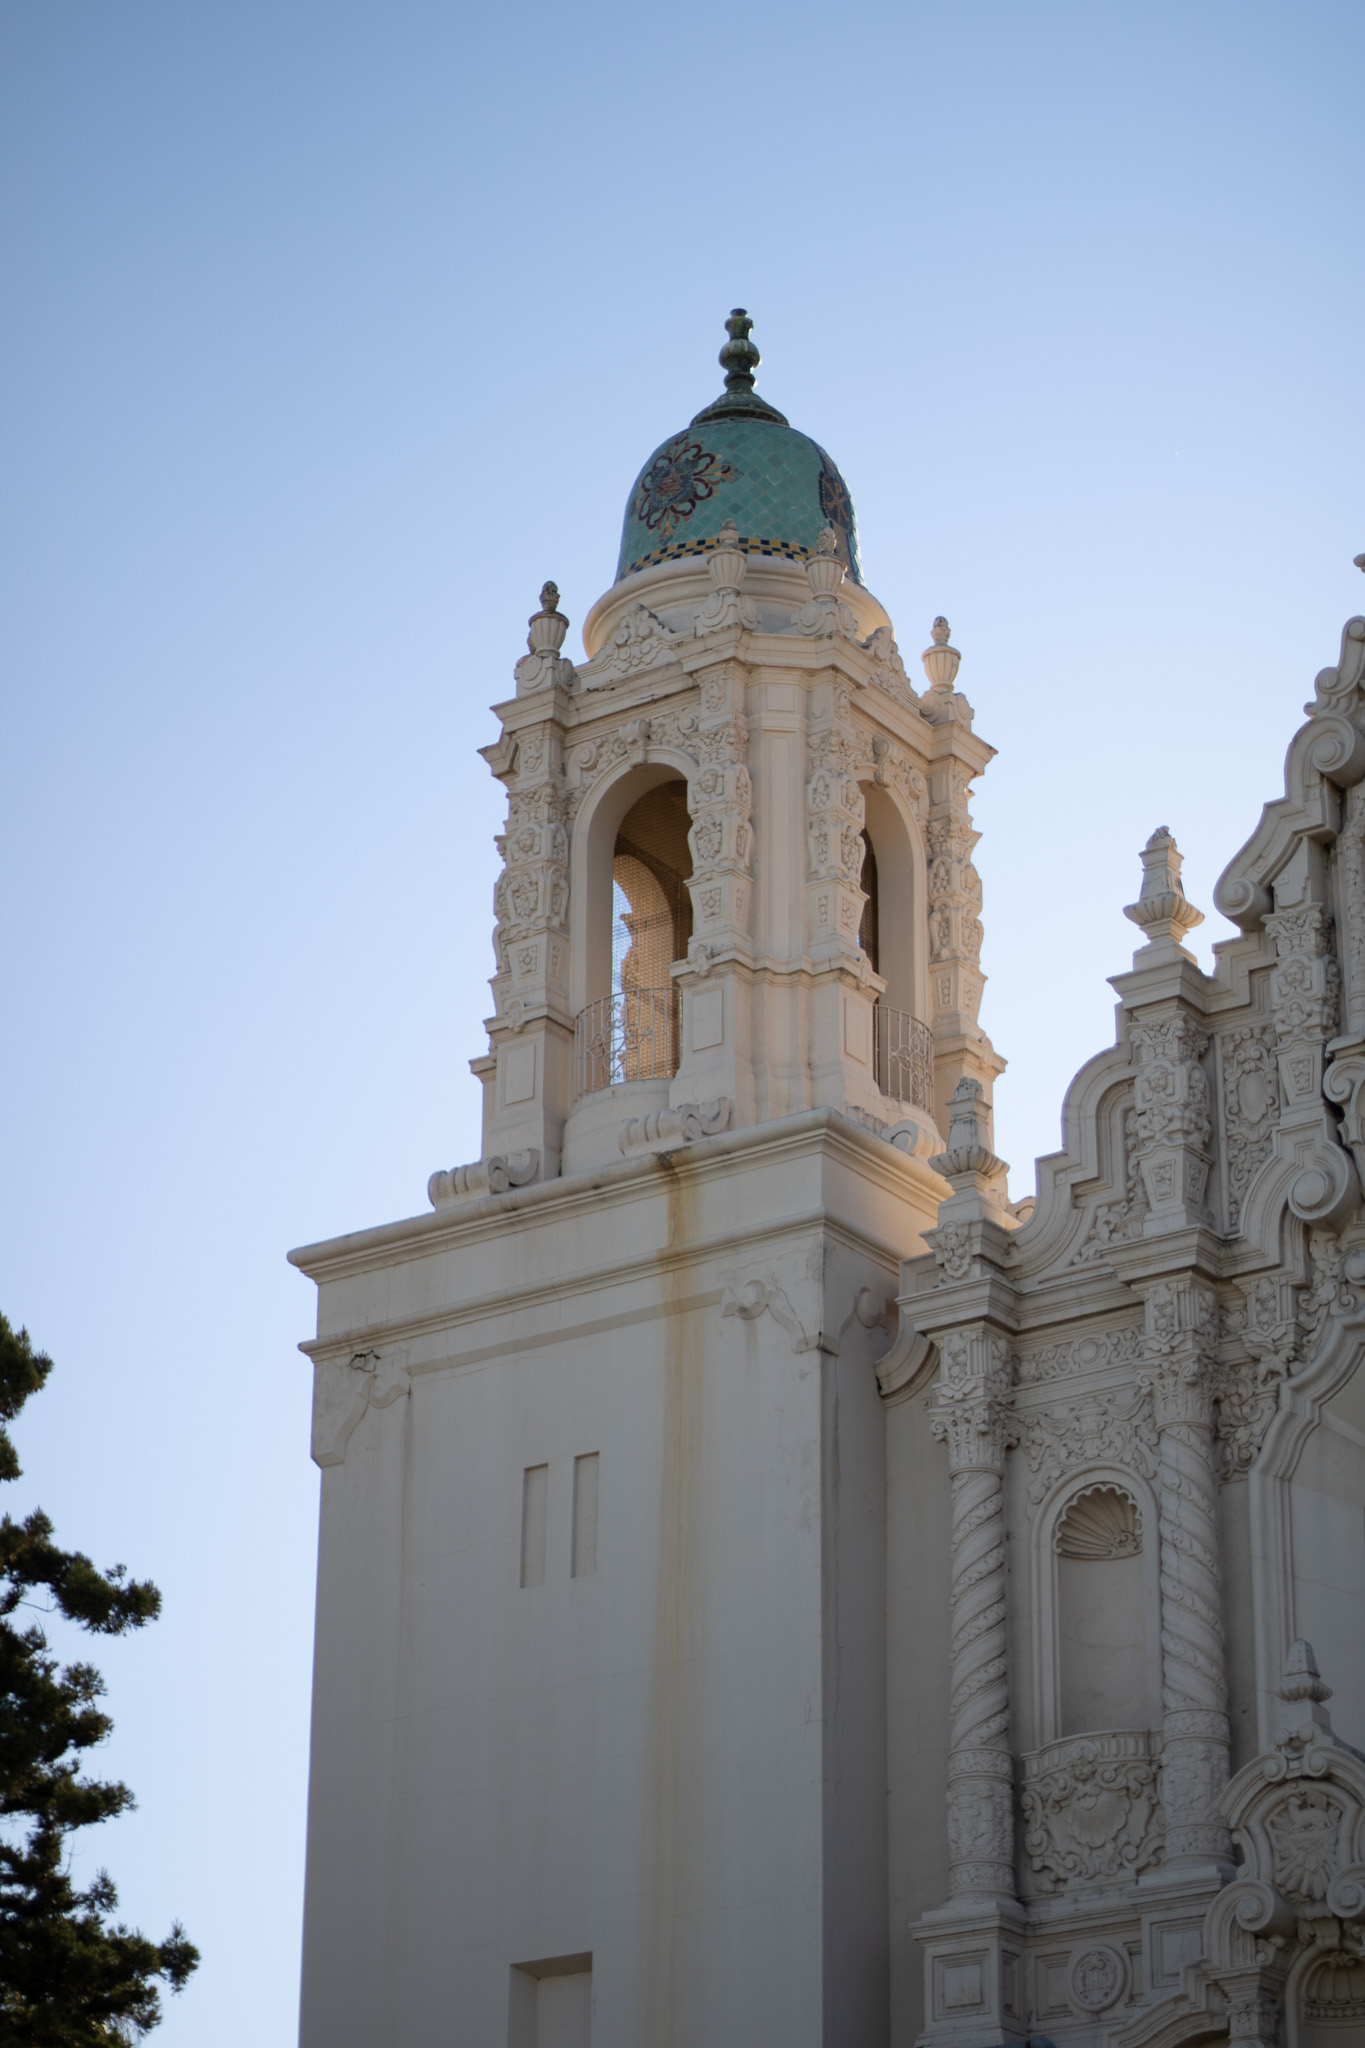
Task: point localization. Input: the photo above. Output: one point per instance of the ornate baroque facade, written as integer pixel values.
(787, 1591)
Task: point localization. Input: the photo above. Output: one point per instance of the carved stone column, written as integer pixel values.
(974, 1419)
(1181, 1330)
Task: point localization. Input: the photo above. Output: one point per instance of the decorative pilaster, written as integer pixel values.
(954, 886)
(974, 1419)
(526, 1076)
(1181, 1326)
(1172, 1122)
(716, 1055)
(845, 988)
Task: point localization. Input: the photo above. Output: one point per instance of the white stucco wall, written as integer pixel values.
(675, 1765)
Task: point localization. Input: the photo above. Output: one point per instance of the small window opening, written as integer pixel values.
(868, 935)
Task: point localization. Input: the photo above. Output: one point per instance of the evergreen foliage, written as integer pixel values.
(69, 1976)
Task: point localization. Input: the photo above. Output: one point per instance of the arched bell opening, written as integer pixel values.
(892, 884)
(638, 922)
(651, 903)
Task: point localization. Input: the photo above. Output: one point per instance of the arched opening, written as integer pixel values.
(903, 1047)
(869, 933)
(643, 926)
(1102, 1600)
(651, 904)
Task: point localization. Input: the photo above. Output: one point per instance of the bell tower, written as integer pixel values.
(599, 1749)
(825, 936)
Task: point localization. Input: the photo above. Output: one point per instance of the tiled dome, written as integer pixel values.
(738, 460)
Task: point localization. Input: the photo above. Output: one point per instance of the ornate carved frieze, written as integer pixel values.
(953, 1253)
(720, 799)
(640, 641)
(1118, 1222)
(1096, 1352)
(1305, 985)
(1247, 1390)
(954, 890)
(1171, 1123)
(1092, 1811)
(531, 896)
(835, 812)
(673, 731)
(888, 669)
(1105, 1429)
(1251, 1108)
(1335, 1276)
(891, 768)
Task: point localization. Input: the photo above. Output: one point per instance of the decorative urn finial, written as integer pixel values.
(548, 625)
(1163, 910)
(941, 662)
(740, 357)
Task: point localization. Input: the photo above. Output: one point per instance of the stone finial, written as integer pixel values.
(1359, 561)
(824, 570)
(740, 357)
(941, 661)
(729, 535)
(968, 1155)
(549, 625)
(1306, 1719)
(1162, 910)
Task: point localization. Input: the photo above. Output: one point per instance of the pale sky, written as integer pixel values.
(332, 330)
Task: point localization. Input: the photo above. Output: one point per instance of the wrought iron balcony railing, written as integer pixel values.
(634, 1037)
(628, 1037)
(903, 1057)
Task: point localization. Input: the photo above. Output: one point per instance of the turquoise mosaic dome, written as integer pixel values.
(740, 459)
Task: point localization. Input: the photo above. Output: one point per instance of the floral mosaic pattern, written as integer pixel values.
(681, 476)
(835, 502)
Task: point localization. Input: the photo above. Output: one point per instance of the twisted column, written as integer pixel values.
(1180, 1323)
(973, 1418)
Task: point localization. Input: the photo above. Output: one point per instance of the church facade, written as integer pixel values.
(774, 1588)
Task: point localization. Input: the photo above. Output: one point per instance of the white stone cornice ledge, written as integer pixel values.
(356, 1252)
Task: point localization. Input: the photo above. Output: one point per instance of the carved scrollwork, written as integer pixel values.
(1111, 1429)
(492, 1176)
(1092, 1810)
(1251, 1107)
(665, 1129)
(639, 641)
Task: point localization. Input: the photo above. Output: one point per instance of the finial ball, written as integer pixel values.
(549, 597)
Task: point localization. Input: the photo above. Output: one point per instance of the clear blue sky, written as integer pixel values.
(332, 330)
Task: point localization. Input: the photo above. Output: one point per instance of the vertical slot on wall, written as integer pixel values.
(534, 1489)
(585, 1516)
